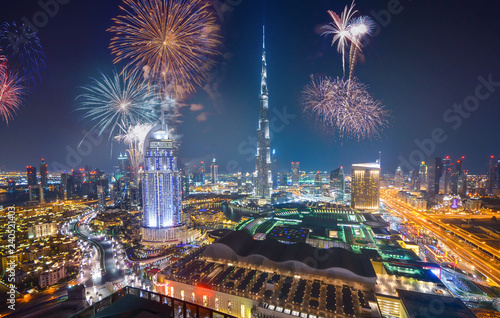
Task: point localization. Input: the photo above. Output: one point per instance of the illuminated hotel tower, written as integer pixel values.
(365, 193)
(263, 157)
(162, 203)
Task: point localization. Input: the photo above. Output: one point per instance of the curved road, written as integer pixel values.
(105, 250)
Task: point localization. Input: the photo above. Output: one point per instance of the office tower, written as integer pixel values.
(214, 171)
(431, 176)
(460, 166)
(422, 176)
(438, 172)
(295, 173)
(263, 173)
(43, 173)
(317, 185)
(365, 194)
(31, 175)
(161, 187)
(283, 179)
(398, 178)
(455, 176)
(445, 183)
(122, 165)
(203, 171)
(337, 184)
(492, 167)
(101, 197)
(199, 175)
(462, 184)
(414, 181)
(185, 180)
(275, 171)
(64, 189)
(498, 175)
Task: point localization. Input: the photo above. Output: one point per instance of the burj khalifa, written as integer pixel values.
(263, 174)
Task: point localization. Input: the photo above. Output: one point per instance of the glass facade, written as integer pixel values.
(161, 187)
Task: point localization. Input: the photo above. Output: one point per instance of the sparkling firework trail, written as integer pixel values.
(347, 29)
(340, 30)
(23, 49)
(11, 91)
(360, 28)
(174, 42)
(115, 103)
(134, 138)
(346, 106)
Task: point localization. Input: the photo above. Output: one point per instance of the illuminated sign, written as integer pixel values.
(454, 203)
(167, 144)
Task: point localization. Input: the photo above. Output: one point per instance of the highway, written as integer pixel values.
(478, 259)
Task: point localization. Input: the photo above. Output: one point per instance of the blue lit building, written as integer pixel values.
(162, 203)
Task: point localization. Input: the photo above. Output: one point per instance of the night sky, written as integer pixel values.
(427, 59)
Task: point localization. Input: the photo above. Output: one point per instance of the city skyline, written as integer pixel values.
(144, 171)
(417, 103)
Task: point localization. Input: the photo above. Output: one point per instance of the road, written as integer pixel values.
(479, 260)
(105, 250)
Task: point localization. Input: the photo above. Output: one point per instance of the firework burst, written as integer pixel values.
(348, 29)
(23, 49)
(345, 106)
(11, 91)
(114, 103)
(339, 28)
(174, 42)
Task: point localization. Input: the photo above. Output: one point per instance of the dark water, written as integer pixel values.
(234, 214)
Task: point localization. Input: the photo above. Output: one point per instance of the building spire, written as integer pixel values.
(264, 37)
(263, 82)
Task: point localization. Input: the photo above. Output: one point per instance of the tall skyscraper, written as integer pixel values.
(43, 173)
(263, 181)
(337, 184)
(275, 171)
(295, 173)
(492, 167)
(414, 181)
(365, 194)
(398, 178)
(422, 176)
(185, 181)
(445, 183)
(122, 165)
(498, 175)
(317, 185)
(462, 184)
(283, 179)
(214, 171)
(101, 197)
(455, 176)
(438, 172)
(161, 188)
(203, 170)
(31, 175)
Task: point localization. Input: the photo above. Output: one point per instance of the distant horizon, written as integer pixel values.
(410, 66)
